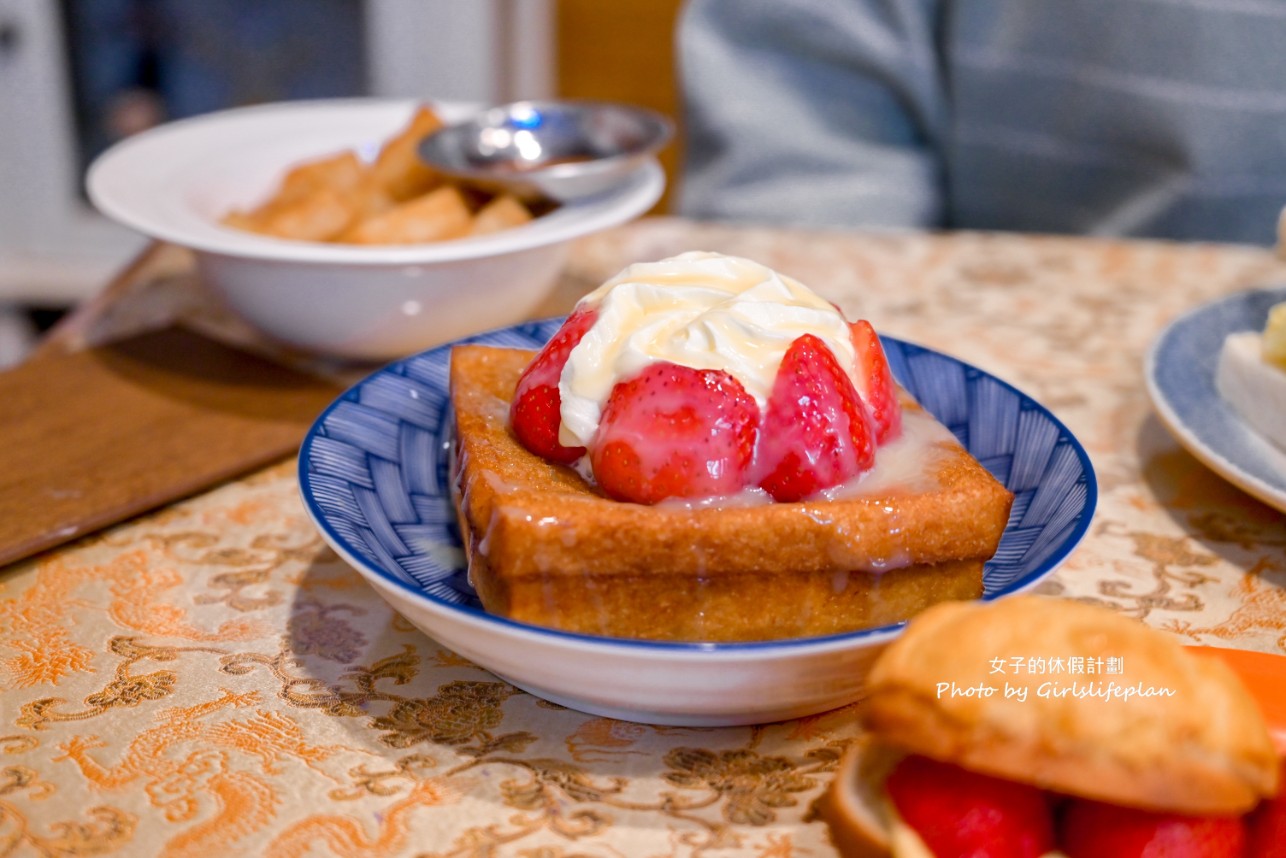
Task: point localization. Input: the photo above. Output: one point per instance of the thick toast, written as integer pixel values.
(545, 547)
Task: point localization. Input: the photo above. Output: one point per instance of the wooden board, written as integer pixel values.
(94, 437)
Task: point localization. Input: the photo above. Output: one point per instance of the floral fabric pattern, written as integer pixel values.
(211, 679)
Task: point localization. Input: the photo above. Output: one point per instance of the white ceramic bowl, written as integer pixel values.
(174, 182)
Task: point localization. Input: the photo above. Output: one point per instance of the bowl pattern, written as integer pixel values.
(374, 468)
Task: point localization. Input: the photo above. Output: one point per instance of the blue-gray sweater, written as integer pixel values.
(1117, 117)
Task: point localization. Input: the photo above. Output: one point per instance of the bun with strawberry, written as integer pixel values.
(982, 740)
(707, 450)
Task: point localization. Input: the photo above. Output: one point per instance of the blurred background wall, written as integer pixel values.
(78, 75)
(621, 50)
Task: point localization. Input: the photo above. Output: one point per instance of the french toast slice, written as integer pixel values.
(546, 547)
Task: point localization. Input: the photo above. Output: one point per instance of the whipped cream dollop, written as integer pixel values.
(700, 310)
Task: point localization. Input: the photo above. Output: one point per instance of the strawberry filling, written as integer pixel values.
(677, 432)
(1266, 825)
(1091, 828)
(960, 813)
(957, 812)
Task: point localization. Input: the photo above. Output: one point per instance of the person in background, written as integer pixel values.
(138, 63)
(1152, 118)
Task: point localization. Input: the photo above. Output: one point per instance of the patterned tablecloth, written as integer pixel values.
(211, 679)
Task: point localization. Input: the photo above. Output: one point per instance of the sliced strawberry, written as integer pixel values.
(960, 813)
(673, 431)
(534, 414)
(816, 431)
(1091, 829)
(881, 390)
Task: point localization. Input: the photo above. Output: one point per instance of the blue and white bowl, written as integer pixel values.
(373, 475)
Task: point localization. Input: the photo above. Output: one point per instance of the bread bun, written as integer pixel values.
(1166, 731)
(855, 807)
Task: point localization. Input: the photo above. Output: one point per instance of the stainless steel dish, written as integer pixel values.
(566, 150)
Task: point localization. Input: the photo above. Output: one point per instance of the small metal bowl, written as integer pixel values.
(566, 150)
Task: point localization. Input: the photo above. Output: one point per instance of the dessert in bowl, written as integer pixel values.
(708, 451)
(378, 475)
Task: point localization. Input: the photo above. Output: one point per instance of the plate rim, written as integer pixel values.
(699, 649)
(1209, 454)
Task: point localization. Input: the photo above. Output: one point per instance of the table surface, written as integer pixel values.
(212, 677)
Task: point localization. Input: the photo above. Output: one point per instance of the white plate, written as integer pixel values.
(373, 475)
(1180, 370)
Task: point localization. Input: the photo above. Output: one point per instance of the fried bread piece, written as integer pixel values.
(545, 547)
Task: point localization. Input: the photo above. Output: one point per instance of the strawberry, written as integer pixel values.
(881, 391)
(1091, 828)
(816, 433)
(534, 414)
(1268, 825)
(960, 813)
(674, 431)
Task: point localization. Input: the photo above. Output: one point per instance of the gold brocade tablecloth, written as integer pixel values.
(210, 679)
